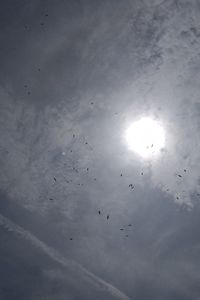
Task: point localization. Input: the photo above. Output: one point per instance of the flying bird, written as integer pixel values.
(55, 179)
(99, 212)
(108, 217)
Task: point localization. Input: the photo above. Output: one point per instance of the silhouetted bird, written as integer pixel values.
(142, 173)
(87, 169)
(71, 239)
(131, 186)
(129, 225)
(92, 103)
(51, 199)
(121, 229)
(54, 178)
(121, 175)
(184, 170)
(99, 212)
(46, 15)
(108, 217)
(179, 175)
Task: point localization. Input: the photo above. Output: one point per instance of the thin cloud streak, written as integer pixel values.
(56, 256)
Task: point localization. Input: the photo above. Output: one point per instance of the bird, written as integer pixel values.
(108, 217)
(87, 169)
(184, 170)
(142, 173)
(129, 225)
(51, 199)
(121, 174)
(27, 27)
(127, 235)
(121, 229)
(54, 178)
(73, 135)
(99, 212)
(131, 186)
(71, 239)
(179, 175)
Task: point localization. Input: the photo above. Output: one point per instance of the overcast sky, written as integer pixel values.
(74, 75)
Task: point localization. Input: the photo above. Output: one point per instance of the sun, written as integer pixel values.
(145, 137)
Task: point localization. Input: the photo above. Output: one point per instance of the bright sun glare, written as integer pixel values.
(145, 137)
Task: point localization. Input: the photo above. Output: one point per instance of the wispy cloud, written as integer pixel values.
(56, 256)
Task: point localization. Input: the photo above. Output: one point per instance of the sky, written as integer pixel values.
(81, 215)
